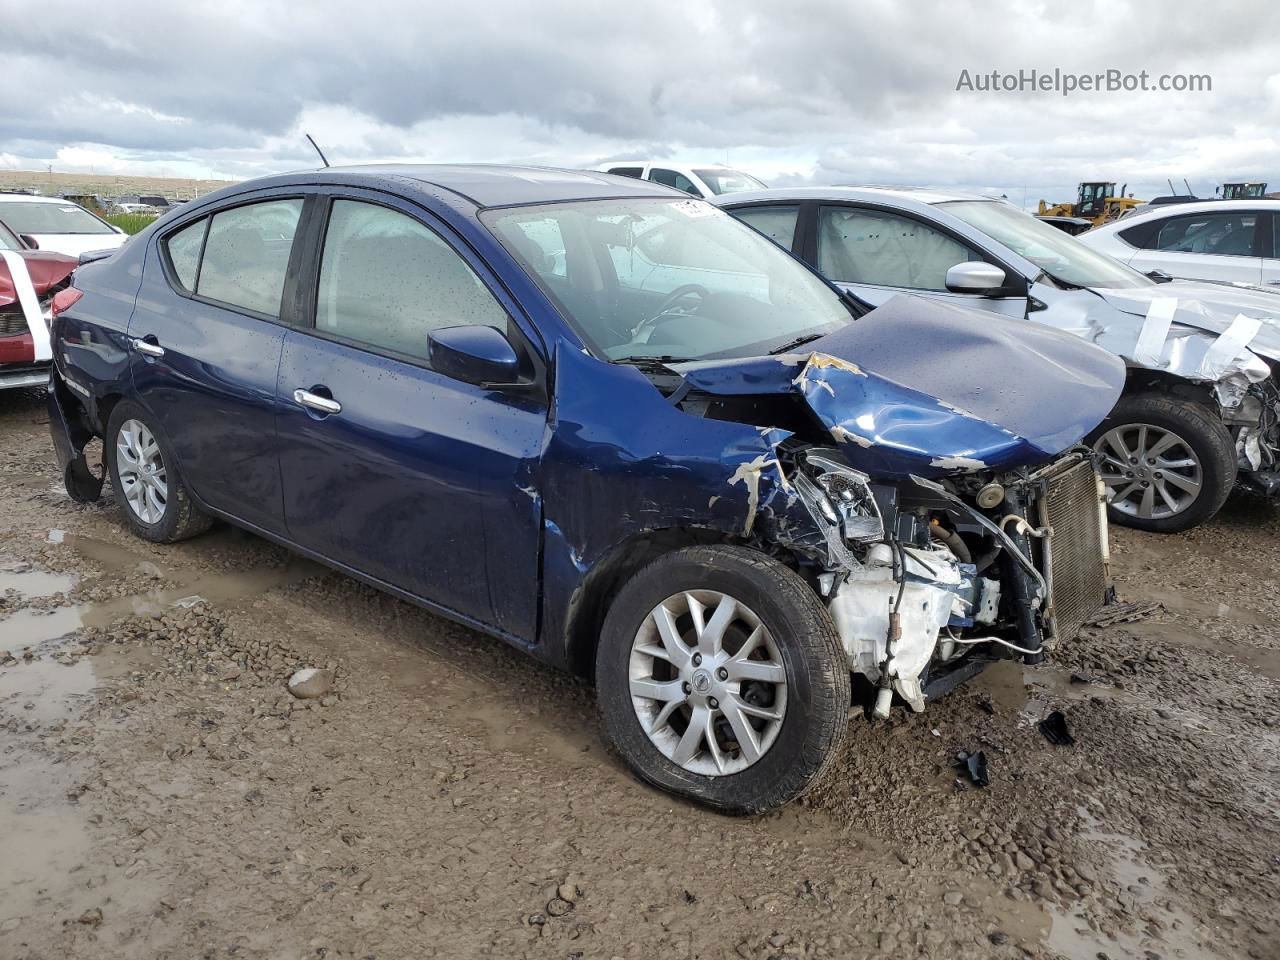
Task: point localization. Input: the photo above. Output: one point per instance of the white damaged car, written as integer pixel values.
(1201, 405)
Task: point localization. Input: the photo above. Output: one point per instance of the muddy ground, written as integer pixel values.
(162, 795)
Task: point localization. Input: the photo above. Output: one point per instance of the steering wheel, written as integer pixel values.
(678, 294)
(644, 329)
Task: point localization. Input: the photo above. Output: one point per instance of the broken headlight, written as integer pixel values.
(842, 496)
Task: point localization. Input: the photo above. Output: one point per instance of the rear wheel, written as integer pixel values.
(145, 477)
(1168, 464)
(720, 677)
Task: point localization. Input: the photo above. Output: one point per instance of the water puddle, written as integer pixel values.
(29, 582)
(1033, 692)
(1261, 660)
(47, 868)
(1181, 602)
(1161, 928)
(29, 628)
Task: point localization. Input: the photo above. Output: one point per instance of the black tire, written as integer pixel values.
(181, 519)
(1202, 431)
(817, 676)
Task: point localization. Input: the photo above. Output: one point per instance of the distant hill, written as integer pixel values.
(171, 188)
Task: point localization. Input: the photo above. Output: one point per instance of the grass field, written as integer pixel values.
(131, 223)
(52, 184)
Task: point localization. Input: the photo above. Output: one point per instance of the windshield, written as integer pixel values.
(728, 181)
(676, 279)
(1061, 256)
(51, 218)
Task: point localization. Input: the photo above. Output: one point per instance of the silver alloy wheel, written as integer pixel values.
(1150, 472)
(142, 475)
(707, 682)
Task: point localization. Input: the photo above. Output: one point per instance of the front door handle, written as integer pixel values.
(316, 402)
(147, 348)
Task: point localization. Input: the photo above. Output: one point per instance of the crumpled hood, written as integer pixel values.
(45, 269)
(922, 387)
(1207, 306)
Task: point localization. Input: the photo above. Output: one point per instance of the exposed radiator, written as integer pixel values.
(13, 322)
(1077, 553)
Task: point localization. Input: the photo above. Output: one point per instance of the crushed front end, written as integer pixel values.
(945, 519)
(928, 581)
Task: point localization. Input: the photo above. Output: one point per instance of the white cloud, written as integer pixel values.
(812, 89)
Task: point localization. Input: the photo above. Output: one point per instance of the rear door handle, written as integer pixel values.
(147, 347)
(316, 402)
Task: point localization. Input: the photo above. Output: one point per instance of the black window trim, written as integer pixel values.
(1016, 289)
(171, 274)
(308, 284)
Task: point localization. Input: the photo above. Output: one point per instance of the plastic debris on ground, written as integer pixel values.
(1054, 728)
(975, 765)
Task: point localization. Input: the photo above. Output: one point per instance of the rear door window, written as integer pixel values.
(1217, 234)
(858, 245)
(387, 280)
(246, 255)
(778, 223)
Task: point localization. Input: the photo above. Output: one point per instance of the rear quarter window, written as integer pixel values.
(183, 250)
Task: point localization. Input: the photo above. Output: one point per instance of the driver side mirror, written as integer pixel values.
(30, 241)
(473, 354)
(975, 277)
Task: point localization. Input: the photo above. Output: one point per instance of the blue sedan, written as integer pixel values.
(611, 425)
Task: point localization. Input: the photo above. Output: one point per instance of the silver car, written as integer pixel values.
(1201, 406)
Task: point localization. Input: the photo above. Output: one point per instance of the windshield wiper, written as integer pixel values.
(660, 361)
(797, 342)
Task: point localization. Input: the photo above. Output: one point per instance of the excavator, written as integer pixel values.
(1243, 191)
(1097, 202)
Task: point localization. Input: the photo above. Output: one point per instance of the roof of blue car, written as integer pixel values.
(494, 185)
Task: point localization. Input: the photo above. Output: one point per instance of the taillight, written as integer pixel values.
(63, 300)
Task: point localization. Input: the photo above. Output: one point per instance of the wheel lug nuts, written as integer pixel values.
(722, 673)
(1133, 459)
(1159, 475)
(687, 688)
(1152, 461)
(1146, 483)
(714, 703)
(697, 659)
(1128, 473)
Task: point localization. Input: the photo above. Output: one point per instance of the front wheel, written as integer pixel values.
(720, 677)
(1168, 464)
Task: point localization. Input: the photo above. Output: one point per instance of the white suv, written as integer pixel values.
(1231, 241)
(701, 180)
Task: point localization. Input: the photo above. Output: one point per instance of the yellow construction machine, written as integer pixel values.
(1097, 202)
(1243, 191)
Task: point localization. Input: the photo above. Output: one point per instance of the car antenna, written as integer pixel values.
(317, 148)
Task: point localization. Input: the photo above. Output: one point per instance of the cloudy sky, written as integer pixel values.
(796, 91)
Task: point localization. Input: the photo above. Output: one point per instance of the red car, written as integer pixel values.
(29, 280)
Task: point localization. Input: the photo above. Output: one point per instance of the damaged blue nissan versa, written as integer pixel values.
(611, 425)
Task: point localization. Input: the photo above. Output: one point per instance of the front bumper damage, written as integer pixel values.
(928, 587)
(1231, 355)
